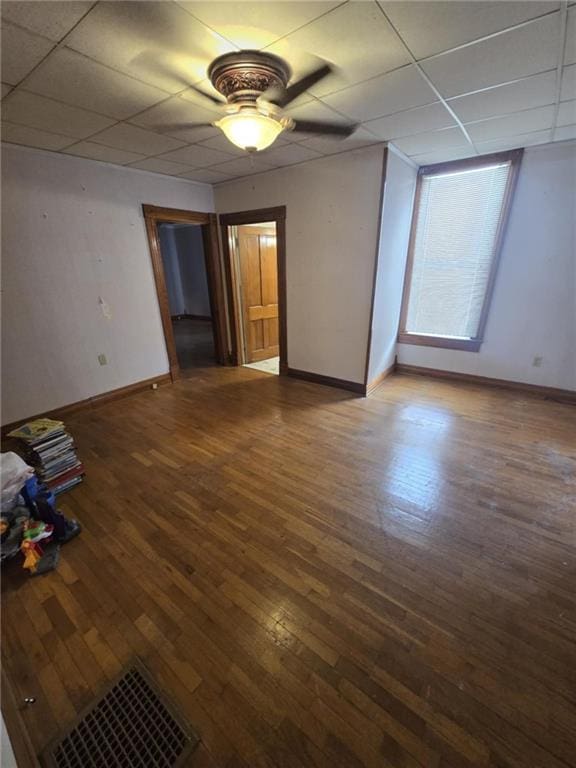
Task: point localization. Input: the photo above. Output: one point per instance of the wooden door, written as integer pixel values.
(259, 289)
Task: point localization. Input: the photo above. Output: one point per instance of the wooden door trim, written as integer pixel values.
(154, 215)
(257, 216)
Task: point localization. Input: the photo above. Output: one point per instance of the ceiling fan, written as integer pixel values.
(255, 87)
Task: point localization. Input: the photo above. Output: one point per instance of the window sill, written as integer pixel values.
(443, 342)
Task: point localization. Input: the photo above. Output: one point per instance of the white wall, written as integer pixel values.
(331, 238)
(399, 187)
(533, 311)
(73, 231)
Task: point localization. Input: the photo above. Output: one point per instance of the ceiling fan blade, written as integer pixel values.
(294, 90)
(316, 126)
(213, 99)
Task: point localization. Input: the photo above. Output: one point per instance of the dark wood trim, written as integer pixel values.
(205, 318)
(91, 402)
(376, 263)
(216, 288)
(232, 291)
(377, 380)
(277, 215)
(154, 215)
(282, 306)
(16, 727)
(329, 381)
(470, 162)
(466, 345)
(549, 393)
(514, 157)
(175, 215)
(255, 216)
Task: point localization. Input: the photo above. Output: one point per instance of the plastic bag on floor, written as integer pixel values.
(13, 474)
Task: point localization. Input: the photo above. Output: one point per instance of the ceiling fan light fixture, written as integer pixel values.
(251, 130)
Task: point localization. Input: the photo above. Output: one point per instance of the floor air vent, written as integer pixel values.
(131, 726)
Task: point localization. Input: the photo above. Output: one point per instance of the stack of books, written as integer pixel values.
(53, 453)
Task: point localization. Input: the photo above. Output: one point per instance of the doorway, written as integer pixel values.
(255, 251)
(203, 338)
(254, 257)
(183, 258)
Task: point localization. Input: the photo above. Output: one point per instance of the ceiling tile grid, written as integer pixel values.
(111, 80)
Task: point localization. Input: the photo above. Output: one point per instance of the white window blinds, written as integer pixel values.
(456, 228)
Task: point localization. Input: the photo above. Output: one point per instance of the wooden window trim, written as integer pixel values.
(444, 342)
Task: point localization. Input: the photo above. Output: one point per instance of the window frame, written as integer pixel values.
(514, 157)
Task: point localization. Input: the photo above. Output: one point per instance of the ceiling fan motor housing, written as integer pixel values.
(243, 76)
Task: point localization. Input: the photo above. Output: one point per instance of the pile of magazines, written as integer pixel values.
(53, 453)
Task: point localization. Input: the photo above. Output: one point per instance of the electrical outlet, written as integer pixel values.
(155, 385)
(537, 362)
(102, 360)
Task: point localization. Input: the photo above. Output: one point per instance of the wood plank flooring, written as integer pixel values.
(319, 579)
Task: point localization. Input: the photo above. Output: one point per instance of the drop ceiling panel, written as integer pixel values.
(156, 165)
(206, 176)
(288, 154)
(242, 166)
(21, 52)
(355, 37)
(51, 19)
(46, 114)
(396, 91)
(32, 137)
(132, 59)
(76, 80)
(330, 145)
(134, 139)
(518, 123)
(565, 133)
(156, 42)
(535, 91)
(524, 51)
(256, 25)
(431, 27)
(106, 154)
(197, 156)
(432, 141)
(568, 90)
(514, 142)
(570, 51)
(444, 155)
(412, 121)
(174, 114)
(566, 113)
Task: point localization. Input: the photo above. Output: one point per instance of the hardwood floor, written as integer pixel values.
(194, 341)
(319, 579)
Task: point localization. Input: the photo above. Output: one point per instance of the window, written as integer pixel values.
(460, 213)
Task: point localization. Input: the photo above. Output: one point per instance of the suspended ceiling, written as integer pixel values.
(440, 80)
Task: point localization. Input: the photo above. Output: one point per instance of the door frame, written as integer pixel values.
(277, 216)
(154, 215)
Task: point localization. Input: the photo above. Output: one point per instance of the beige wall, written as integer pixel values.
(397, 204)
(533, 308)
(73, 231)
(331, 239)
